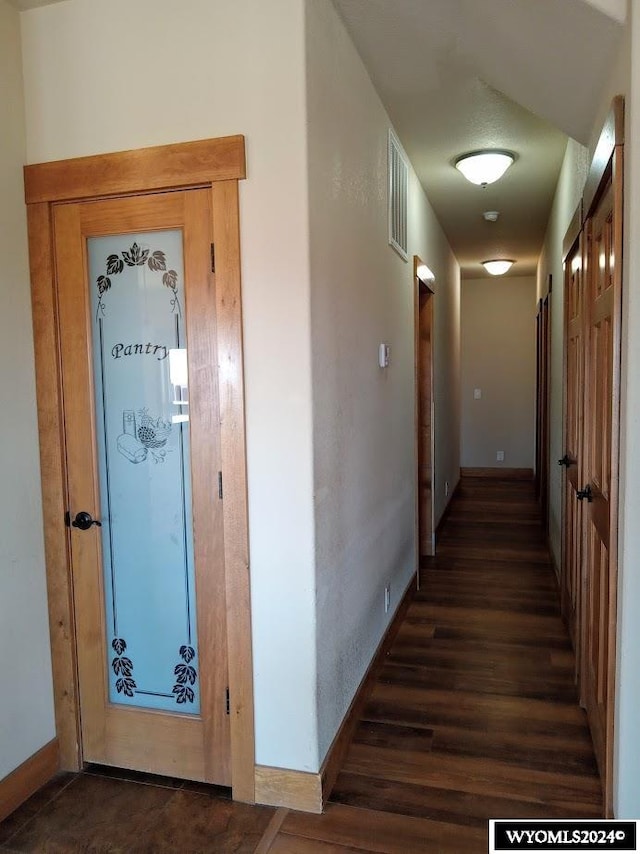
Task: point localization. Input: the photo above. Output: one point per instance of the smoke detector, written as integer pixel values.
(491, 216)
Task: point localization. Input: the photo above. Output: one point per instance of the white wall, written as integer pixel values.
(426, 235)
(363, 417)
(92, 85)
(627, 723)
(130, 73)
(26, 709)
(573, 174)
(498, 356)
(624, 80)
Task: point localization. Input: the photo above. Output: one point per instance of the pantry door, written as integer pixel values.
(137, 325)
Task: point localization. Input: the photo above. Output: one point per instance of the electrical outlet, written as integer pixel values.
(387, 598)
(446, 488)
(500, 456)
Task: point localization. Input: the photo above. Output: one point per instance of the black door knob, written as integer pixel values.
(84, 521)
(565, 461)
(581, 494)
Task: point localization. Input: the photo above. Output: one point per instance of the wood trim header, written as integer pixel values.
(612, 134)
(573, 232)
(161, 167)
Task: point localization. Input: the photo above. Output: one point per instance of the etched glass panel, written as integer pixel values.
(142, 427)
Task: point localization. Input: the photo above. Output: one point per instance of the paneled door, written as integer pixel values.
(137, 325)
(574, 284)
(600, 490)
(592, 357)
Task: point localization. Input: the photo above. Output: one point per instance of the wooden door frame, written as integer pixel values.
(608, 166)
(421, 287)
(543, 386)
(538, 472)
(573, 242)
(217, 165)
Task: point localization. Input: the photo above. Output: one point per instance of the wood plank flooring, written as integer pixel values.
(473, 715)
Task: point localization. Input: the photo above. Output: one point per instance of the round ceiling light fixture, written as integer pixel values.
(491, 216)
(484, 167)
(498, 266)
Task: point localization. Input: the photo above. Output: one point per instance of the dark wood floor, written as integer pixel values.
(473, 715)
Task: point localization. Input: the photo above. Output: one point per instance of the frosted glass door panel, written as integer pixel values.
(142, 425)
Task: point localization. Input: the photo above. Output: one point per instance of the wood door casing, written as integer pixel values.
(424, 295)
(573, 440)
(543, 360)
(538, 468)
(602, 377)
(425, 422)
(217, 165)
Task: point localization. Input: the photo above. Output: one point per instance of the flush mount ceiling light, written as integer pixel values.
(497, 266)
(484, 167)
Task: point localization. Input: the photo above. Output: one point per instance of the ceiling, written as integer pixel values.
(459, 75)
(31, 4)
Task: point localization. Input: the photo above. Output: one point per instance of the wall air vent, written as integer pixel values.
(398, 194)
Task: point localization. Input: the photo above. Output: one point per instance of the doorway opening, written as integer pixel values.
(425, 435)
(543, 365)
(187, 193)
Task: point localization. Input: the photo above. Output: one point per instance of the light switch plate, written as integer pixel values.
(477, 393)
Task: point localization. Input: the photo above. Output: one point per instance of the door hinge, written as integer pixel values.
(67, 519)
(213, 258)
(220, 493)
(228, 703)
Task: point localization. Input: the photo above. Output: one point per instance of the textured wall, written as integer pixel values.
(568, 193)
(26, 709)
(626, 80)
(364, 433)
(498, 356)
(129, 73)
(573, 175)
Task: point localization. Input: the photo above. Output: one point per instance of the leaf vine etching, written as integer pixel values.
(114, 265)
(185, 676)
(123, 668)
(157, 261)
(138, 256)
(170, 280)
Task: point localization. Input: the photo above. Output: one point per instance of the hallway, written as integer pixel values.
(473, 715)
